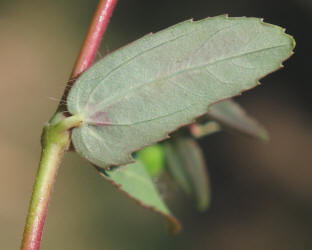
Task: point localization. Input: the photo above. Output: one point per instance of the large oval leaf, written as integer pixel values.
(135, 96)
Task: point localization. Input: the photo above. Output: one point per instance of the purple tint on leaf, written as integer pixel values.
(100, 118)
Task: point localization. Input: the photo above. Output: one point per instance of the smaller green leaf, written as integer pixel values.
(187, 166)
(153, 158)
(232, 116)
(136, 183)
(174, 164)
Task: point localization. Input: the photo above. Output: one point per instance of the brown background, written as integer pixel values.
(262, 193)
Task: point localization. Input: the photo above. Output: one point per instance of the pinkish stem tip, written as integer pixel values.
(94, 36)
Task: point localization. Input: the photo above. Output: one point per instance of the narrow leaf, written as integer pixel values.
(187, 166)
(135, 96)
(134, 180)
(174, 164)
(232, 116)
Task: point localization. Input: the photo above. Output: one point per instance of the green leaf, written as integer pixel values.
(187, 166)
(153, 158)
(136, 183)
(229, 115)
(232, 116)
(135, 96)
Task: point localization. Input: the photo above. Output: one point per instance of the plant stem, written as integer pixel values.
(48, 167)
(94, 36)
(55, 141)
(56, 135)
(90, 45)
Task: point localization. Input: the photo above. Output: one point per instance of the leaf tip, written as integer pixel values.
(203, 207)
(265, 137)
(263, 134)
(174, 227)
(293, 42)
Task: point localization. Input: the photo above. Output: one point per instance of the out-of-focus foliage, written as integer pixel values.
(134, 180)
(231, 116)
(153, 158)
(187, 166)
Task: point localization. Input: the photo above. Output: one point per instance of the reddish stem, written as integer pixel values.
(94, 37)
(90, 45)
(46, 175)
(49, 163)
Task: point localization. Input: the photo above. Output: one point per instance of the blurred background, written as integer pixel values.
(262, 193)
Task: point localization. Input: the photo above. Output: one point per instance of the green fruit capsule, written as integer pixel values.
(153, 158)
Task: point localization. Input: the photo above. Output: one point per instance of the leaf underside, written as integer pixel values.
(137, 184)
(135, 96)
